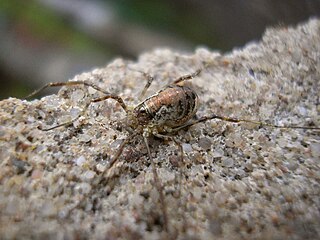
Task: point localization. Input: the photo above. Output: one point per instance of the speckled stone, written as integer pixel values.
(235, 181)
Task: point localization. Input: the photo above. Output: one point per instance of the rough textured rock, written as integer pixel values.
(238, 181)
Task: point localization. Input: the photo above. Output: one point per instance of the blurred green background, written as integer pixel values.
(52, 40)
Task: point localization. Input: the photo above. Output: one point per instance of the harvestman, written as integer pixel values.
(160, 115)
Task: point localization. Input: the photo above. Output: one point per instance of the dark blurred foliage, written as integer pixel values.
(52, 40)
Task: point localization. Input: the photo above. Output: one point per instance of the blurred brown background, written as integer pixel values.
(52, 40)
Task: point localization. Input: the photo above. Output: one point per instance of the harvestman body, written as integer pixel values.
(160, 115)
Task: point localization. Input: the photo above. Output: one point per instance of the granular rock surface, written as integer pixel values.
(236, 181)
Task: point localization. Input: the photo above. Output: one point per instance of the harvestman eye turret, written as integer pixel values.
(162, 115)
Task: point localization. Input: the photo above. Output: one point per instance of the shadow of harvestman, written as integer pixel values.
(161, 115)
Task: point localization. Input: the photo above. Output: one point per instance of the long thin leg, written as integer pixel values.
(191, 75)
(68, 122)
(178, 80)
(107, 96)
(112, 96)
(118, 154)
(182, 203)
(84, 83)
(102, 176)
(181, 167)
(61, 84)
(235, 120)
(158, 186)
(150, 79)
(146, 87)
(121, 147)
(187, 77)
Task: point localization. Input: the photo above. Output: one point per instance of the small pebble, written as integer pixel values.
(83, 188)
(36, 174)
(205, 143)
(227, 162)
(48, 209)
(101, 167)
(89, 175)
(80, 161)
(292, 165)
(218, 153)
(315, 149)
(74, 112)
(258, 175)
(186, 147)
(77, 95)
